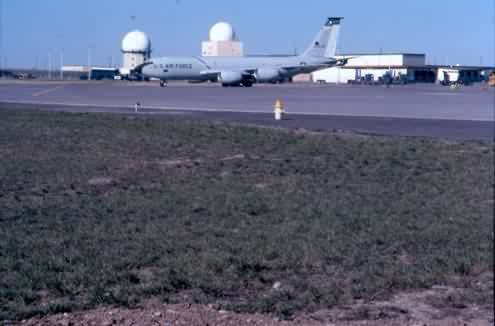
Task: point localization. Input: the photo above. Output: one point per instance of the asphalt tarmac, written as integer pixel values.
(411, 110)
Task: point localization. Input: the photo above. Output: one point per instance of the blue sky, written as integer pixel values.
(448, 31)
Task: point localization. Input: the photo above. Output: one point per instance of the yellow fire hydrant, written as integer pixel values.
(279, 109)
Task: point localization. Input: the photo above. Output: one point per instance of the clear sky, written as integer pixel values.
(448, 31)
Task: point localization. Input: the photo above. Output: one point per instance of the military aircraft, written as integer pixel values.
(245, 71)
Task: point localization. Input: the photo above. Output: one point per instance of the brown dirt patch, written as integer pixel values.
(416, 308)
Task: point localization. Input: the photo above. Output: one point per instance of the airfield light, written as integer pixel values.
(278, 109)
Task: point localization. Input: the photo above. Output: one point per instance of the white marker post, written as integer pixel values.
(278, 109)
(136, 107)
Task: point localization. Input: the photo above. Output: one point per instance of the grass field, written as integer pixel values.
(107, 209)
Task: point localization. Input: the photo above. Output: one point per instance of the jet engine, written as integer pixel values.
(267, 75)
(230, 78)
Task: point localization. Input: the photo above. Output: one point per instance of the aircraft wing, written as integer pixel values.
(214, 73)
(248, 72)
(332, 62)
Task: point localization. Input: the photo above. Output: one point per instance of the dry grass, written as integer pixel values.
(99, 209)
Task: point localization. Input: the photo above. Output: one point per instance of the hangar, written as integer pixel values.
(402, 67)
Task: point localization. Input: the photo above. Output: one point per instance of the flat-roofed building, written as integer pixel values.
(410, 66)
(407, 67)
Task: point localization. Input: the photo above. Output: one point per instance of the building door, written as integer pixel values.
(424, 76)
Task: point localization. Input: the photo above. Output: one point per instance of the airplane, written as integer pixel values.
(245, 71)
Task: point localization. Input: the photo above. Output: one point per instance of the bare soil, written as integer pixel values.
(433, 307)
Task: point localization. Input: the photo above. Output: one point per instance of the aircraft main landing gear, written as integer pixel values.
(163, 83)
(243, 84)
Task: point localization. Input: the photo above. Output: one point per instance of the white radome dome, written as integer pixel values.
(222, 32)
(136, 41)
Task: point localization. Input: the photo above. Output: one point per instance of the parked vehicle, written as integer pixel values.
(491, 80)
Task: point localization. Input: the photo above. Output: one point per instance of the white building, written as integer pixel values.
(410, 65)
(223, 42)
(461, 73)
(136, 47)
(384, 60)
(75, 69)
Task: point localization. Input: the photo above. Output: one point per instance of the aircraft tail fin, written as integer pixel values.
(325, 43)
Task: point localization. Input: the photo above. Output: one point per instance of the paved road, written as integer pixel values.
(415, 110)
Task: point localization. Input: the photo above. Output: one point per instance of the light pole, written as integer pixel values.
(50, 64)
(89, 62)
(62, 64)
(60, 41)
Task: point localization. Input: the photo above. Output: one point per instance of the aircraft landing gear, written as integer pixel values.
(163, 83)
(247, 84)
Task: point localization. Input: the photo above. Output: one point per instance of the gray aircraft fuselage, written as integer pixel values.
(197, 68)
